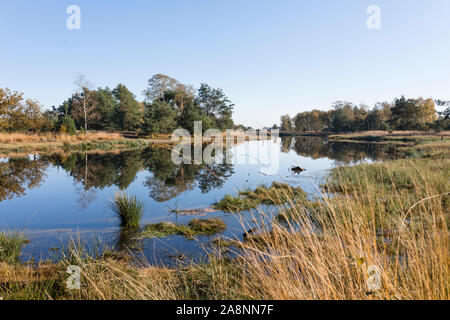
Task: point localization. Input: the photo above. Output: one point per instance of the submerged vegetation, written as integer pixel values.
(276, 194)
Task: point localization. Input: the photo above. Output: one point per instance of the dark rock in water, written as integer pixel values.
(249, 233)
(297, 169)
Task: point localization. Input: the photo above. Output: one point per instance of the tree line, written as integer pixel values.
(168, 105)
(402, 114)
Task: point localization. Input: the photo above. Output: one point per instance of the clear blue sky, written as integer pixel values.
(270, 57)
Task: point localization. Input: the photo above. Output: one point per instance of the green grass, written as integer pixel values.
(207, 226)
(11, 244)
(276, 194)
(194, 228)
(128, 209)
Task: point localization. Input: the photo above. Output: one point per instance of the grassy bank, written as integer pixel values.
(388, 219)
(14, 143)
(395, 137)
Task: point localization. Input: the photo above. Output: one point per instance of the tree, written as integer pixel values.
(67, 125)
(162, 87)
(191, 113)
(286, 123)
(33, 115)
(84, 103)
(10, 109)
(159, 118)
(158, 85)
(129, 113)
(427, 111)
(215, 105)
(405, 114)
(107, 107)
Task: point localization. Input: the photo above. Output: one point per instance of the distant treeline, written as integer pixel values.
(402, 114)
(168, 105)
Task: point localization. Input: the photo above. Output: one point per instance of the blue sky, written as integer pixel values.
(270, 57)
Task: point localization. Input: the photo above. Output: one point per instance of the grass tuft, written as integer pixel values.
(128, 209)
(11, 244)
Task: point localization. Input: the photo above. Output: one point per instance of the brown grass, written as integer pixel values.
(62, 138)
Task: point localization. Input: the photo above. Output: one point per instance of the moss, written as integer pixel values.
(276, 194)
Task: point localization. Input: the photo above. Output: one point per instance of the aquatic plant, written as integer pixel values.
(11, 244)
(128, 209)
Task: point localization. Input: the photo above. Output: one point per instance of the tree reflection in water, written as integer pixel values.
(342, 152)
(96, 171)
(166, 180)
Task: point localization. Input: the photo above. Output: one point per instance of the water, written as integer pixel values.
(57, 198)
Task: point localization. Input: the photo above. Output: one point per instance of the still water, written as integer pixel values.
(57, 198)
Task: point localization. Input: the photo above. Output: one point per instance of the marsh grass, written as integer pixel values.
(128, 209)
(392, 215)
(194, 228)
(11, 244)
(276, 194)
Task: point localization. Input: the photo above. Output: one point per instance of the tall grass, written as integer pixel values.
(391, 216)
(11, 244)
(128, 209)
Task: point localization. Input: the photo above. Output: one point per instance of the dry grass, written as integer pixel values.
(326, 249)
(392, 215)
(61, 138)
(396, 133)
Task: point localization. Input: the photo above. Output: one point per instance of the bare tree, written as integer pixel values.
(84, 104)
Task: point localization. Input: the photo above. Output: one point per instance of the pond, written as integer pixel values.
(58, 198)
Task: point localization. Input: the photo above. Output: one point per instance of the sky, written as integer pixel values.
(271, 57)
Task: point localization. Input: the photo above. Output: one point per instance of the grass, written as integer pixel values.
(276, 194)
(207, 226)
(57, 137)
(23, 143)
(128, 209)
(11, 244)
(407, 138)
(195, 227)
(391, 216)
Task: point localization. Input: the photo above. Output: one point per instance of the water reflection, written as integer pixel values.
(19, 174)
(165, 180)
(51, 186)
(96, 171)
(343, 153)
